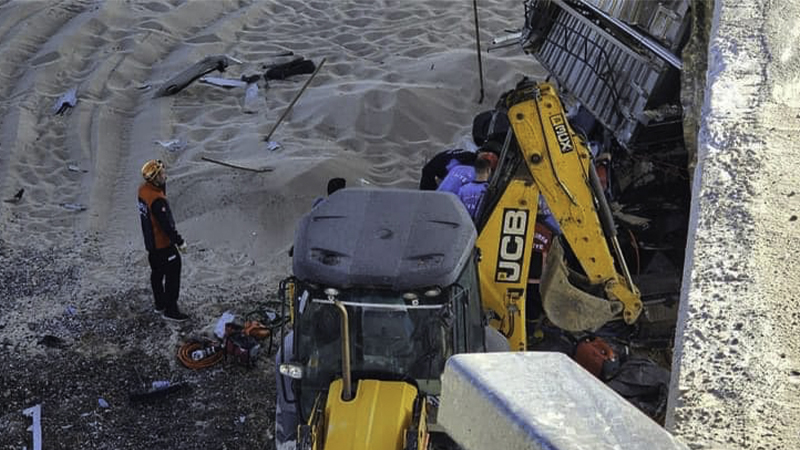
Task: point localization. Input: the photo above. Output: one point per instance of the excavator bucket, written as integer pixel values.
(567, 306)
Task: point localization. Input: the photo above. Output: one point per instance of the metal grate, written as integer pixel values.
(616, 81)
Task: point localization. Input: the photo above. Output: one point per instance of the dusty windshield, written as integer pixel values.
(390, 338)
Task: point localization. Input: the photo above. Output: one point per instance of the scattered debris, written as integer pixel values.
(103, 403)
(74, 168)
(161, 384)
(251, 98)
(66, 101)
(175, 145)
(273, 145)
(291, 105)
(16, 198)
(235, 166)
(185, 78)
(158, 390)
(35, 413)
(51, 341)
(296, 66)
(219, 329)
(226, 83)
(73, 206)
(234, 60)
(250, 78)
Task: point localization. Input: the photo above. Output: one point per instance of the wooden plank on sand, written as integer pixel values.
(183, 79)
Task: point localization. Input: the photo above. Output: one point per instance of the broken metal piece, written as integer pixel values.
(74, 168)
(73, 206)
(35, 413)
(236, 166)
(66, 101)
(223, 82)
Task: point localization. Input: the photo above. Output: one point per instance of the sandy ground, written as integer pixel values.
(399, 84)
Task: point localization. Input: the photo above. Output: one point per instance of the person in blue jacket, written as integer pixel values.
(472, 193)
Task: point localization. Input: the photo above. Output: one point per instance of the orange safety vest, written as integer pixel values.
(148, 193)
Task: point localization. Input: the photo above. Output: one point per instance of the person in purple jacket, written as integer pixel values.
(462, 174)
(471, 194)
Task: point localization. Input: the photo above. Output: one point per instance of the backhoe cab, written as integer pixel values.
(384, 290)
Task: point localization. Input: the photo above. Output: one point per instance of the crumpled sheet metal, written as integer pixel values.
(539, 400)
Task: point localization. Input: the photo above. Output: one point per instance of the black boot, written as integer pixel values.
(175, 315)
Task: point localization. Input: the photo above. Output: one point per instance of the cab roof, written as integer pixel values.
(398, 239)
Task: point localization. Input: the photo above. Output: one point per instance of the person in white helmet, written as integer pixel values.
(161, 240)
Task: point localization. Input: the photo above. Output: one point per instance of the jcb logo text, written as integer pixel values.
(512, 246)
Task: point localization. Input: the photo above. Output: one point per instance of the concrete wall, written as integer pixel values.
(539, 401)
(736, 370)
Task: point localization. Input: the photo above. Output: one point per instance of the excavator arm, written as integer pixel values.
(555, 162)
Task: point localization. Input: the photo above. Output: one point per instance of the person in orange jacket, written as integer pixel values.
(161, 240)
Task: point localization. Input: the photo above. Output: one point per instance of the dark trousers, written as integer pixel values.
(165, 277)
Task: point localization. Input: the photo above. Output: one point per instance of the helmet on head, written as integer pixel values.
(152, 168)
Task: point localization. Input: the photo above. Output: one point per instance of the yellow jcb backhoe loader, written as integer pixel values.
(384, 290)
(542, 155)
(389, 283)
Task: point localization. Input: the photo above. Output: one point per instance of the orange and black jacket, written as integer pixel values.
(158, 226)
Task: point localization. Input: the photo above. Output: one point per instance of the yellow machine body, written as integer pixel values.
(556, 165)
(378, 417)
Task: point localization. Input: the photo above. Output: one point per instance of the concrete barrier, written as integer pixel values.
(736, 369)
(539, 400)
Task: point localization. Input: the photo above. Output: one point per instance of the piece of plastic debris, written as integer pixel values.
(70, 310)
(227, 317)
(66, 101)
(273, 145)
(174, 145)
(242, 419)
(161, 384)
(364, 182)
(35, 413)
(144, 87)
(223, 82)
(74, 168)
(16, 198)
(103, 403)
(251, 98)
(73, 206)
